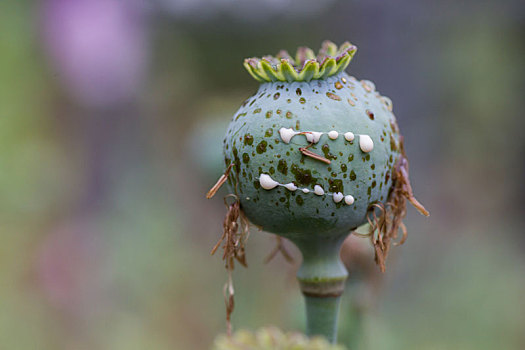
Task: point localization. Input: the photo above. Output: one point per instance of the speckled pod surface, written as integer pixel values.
(335, 106)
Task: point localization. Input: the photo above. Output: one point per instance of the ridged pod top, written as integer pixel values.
(306, 66)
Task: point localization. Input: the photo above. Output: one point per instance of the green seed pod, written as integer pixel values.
(282, 185)
(312, 155)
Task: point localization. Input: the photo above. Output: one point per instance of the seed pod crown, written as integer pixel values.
(306, 66)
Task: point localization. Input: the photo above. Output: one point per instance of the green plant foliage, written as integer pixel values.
(272, 338)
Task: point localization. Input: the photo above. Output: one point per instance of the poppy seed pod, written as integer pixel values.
(311, 156)
(312, 151)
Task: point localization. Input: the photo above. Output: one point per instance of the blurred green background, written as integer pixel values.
(111, 119)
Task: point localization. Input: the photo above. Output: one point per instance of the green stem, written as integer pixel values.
(321, 316)
(354, 319)
(322, 277)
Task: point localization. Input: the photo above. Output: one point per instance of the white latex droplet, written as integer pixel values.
(286, 134)
(267, 182)
(318, 190)
(316, 136)
(365, 143)
(333, 134)
(338, 196)
(349, 199)
(349, 136)
(309, 137)
(291, 186)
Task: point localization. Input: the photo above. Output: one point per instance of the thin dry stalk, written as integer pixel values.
(219, 182)
(279, 248)
(229, 302)
(313, 155)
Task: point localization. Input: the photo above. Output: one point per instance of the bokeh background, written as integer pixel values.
(111, 119)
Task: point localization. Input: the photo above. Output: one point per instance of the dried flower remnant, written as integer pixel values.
(385, 228)
(219, 183)
(233, 239)
(308, 153)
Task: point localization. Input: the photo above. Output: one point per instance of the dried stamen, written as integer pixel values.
(219, 182)
(407, 188)
(229, 301)
(305, 151)
(233, 239)
(279, 248)
(385, 227)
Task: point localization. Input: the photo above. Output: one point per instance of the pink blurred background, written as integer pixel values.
(111, 120)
